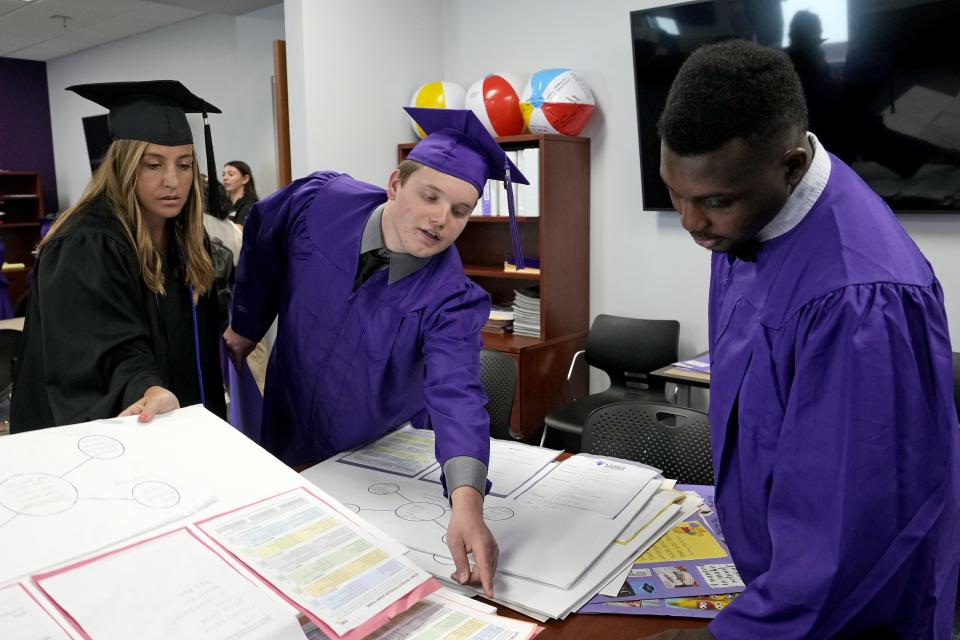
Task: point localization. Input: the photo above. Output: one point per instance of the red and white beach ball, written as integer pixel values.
(437, 95)
(556, 101)
(496, 101)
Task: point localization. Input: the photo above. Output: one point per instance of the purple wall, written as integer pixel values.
(26, 140)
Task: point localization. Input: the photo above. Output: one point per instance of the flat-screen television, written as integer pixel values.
(96, 130)
(881, 78)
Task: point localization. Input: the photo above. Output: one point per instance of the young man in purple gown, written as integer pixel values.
(378, 325)
(834, 430)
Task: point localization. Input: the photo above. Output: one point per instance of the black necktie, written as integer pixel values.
(370, 262)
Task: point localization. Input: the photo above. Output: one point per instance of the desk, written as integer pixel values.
(683, 377)
(588, 626)
(608, 627)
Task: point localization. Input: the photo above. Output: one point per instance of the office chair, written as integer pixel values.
(498, 374)
(673, 439)
(627, 349)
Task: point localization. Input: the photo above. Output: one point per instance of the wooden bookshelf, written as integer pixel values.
(21, 204)
(560, 238)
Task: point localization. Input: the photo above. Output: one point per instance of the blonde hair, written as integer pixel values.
(116, 179)
(406, 168)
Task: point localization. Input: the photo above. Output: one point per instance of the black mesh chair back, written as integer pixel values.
(627, 349)
(498, 373)
(673, 439)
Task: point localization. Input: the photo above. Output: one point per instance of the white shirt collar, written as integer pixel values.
(804, 196)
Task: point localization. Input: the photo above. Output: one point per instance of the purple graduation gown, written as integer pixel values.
(348, 367)
(834, 431)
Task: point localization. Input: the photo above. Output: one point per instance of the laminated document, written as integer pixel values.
(405, 452)
(708, 606)
(22, 617)
(438, 617)
(171, 586)
(336, 573)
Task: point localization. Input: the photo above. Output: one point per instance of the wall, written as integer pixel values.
(351, 66)
(27, 145)
(643, 264)
(227, 61)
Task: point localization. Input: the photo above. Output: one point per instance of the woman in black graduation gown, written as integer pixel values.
(121, 319)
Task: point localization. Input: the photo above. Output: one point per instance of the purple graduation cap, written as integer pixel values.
(458, 145)
(154, 111)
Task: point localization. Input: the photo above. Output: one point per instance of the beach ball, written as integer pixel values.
(496, 101)
(436, 95)
(556, 101)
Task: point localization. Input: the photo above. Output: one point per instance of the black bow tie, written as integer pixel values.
(745, 251)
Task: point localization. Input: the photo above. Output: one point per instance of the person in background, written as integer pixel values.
(121, 320)
(238, 181)
(378, 325)
(835, 438)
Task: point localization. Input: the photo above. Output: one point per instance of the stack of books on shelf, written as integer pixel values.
(500, 320)
(526, 312)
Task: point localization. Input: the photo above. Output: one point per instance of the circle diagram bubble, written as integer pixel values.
(497, 513)
(420, 511)
(101, 447)
(352, 507)
(383, 488)
(156, 494)
(37, 494)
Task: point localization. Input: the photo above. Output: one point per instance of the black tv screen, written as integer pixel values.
(96, 130)
(881, 77)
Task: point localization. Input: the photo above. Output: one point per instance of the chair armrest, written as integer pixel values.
(573, 363)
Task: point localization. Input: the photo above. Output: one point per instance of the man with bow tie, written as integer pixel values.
(834, 430)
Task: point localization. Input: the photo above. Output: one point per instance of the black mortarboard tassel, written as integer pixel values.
(213, 193)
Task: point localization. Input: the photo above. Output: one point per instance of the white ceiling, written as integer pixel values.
(47, 29)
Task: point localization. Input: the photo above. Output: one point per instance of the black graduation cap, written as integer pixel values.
(154, 111)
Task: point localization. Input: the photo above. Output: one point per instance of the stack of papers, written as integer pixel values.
(526, 312)
(688, 572)
(609, 511)
(700, 364)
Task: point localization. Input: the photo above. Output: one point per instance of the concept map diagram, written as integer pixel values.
(41, 494)
(424, 511)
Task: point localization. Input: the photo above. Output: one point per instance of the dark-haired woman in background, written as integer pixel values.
(238, 181)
